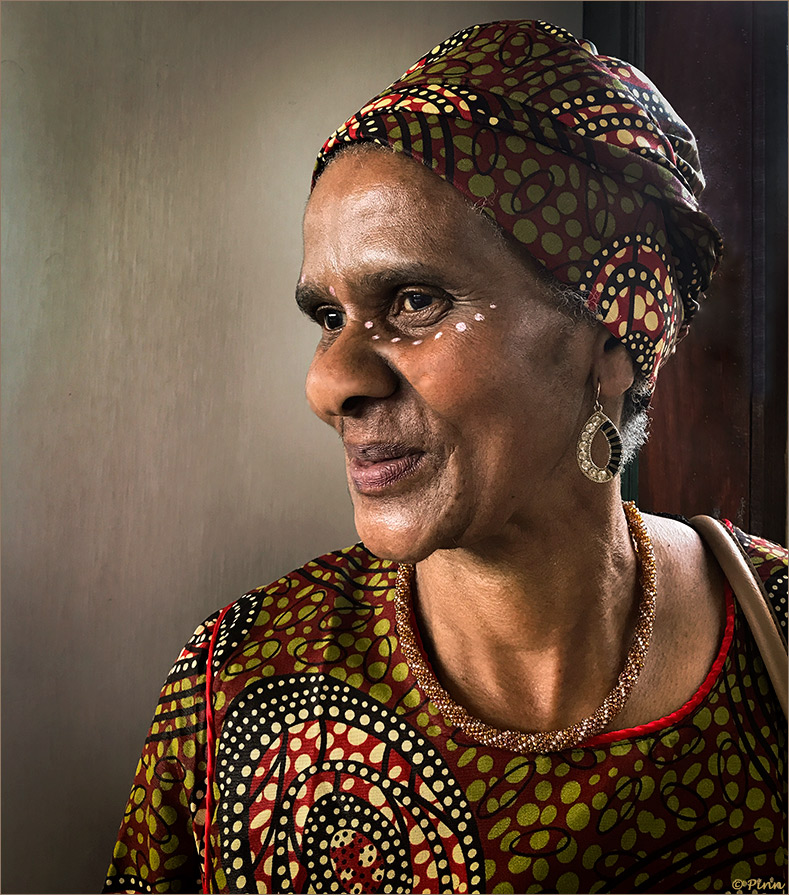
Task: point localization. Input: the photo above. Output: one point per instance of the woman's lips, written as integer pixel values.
(373, 468)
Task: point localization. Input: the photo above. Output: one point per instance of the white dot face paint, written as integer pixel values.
(479, 316)
(396, 339)
(493, 306)
(368, 324)
(461, 327)
(418, 342)
(376, 337)
(331, 291)
(438, 335)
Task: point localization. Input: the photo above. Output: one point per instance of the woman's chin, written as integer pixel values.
(394, 539)
(393, 549)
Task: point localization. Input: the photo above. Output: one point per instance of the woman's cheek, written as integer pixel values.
(454, 366)
(452, 362)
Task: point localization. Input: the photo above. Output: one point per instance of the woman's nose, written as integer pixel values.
(348, 375)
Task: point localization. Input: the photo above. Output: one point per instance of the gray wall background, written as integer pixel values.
(158, 458)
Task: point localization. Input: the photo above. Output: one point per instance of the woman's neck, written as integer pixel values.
(530, 631)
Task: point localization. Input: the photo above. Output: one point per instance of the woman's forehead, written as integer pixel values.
(367, 170)
(374, 201)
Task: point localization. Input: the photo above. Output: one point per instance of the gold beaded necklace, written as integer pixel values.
(550, 740)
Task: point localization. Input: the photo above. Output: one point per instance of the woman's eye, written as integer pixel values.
(331, 318)
(417, 301)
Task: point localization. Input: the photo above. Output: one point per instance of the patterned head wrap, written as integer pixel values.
(576, 155)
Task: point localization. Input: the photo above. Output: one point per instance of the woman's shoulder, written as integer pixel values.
(768, 558)
(693, 608)
(687, 553)
(323, 597)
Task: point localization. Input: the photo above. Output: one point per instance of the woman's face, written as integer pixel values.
(456, 385)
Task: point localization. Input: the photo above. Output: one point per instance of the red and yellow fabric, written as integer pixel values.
(577, 156)
(334, 773)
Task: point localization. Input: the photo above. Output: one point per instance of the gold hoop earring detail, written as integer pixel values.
(597, 422)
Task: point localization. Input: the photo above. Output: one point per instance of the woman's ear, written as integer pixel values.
(613, 367)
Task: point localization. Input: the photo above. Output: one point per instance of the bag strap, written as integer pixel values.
(753, 600)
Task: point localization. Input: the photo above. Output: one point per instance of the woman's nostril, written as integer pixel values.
(351, 405)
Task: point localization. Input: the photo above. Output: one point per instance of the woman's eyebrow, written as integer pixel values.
(308, 297)
(400, 274)
(309, 294)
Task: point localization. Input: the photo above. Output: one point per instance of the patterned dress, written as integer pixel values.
(334, 773)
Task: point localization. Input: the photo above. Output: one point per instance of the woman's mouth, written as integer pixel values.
(374, 467)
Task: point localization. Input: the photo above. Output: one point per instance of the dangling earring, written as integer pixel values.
(597, 421)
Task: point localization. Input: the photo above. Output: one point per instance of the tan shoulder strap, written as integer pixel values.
(750, 595)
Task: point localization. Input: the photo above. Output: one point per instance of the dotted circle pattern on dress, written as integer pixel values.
(263, 739)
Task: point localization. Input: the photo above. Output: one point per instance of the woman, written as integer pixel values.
(515, 683)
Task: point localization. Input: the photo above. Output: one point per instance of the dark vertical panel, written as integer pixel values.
(768, 446)
(719, 415)
(716, 436)
(698, 458)
(616, 29)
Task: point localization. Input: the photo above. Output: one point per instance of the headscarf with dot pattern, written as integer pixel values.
(576, 155)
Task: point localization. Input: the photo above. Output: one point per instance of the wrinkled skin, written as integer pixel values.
(491, 407)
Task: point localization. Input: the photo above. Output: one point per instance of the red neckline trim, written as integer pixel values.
(692, 703)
